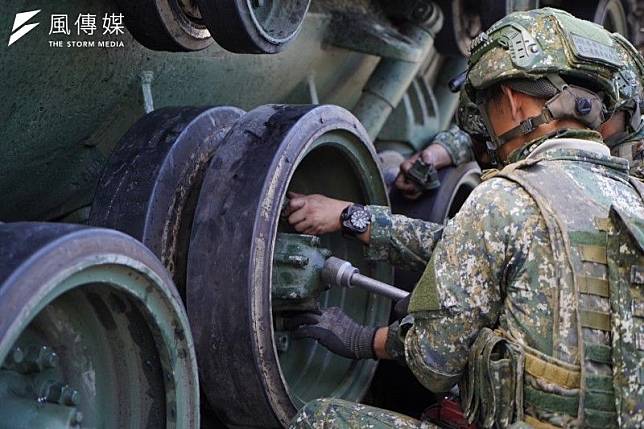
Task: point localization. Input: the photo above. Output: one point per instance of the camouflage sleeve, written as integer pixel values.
(406, 243)
(394, 345)
(457, 143)
(484, 245)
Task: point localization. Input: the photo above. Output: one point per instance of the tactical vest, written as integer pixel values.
(600, 256)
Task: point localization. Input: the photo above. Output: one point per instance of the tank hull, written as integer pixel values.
(66, 107)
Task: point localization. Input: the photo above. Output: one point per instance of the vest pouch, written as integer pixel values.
(491, 391)
(503, 382)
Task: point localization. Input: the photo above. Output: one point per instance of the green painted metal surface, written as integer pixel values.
(78, 347)
(297, 264)
(65, 108)
(341, 167)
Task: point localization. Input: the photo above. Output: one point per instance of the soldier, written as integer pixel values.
(623, 132)
(530, 295)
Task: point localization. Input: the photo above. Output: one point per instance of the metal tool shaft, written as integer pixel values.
(377, 287)
(338, 272)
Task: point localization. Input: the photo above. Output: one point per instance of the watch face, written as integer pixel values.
(360, 219)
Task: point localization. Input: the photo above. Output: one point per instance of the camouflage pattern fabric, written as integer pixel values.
(407, 243)
(494, 267)
(336, 413)
(457, 143)
(632, 149)
(536, 43)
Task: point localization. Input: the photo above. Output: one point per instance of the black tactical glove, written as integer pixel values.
(337, 332)
(401, 309)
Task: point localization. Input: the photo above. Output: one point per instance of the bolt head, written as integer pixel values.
(78, 418)
(17, 355)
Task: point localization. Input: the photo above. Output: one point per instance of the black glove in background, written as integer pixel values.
(401, 308)
(336, 331)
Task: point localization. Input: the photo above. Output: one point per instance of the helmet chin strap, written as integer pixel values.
(571, 102)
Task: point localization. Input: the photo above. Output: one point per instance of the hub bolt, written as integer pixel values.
(281, 341)
(36, 359)
(13, 359)
(60, 394)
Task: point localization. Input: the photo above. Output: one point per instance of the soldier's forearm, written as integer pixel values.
(404, 242)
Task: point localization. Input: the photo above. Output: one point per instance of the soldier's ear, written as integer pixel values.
(514, 103)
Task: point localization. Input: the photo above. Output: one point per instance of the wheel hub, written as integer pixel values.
(32, 382)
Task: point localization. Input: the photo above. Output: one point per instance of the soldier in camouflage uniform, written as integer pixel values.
(623, 132)
(531, 295)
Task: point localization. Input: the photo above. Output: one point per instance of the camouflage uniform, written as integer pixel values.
(632, 149)
(515, 302)
(493, 268)
(457, 143)
(336, 413)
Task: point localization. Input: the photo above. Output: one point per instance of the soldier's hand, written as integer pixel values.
(314, 214)
(404, 185)
(336, 331)
(434, 154)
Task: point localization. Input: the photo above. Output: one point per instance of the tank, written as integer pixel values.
(148, 150)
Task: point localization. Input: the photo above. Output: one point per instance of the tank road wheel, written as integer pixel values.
(462, 23)
(437, 206)
(150, 187)
(254, 26)
(92, 331)
(166, 25)
(465, 19)
(247, 268)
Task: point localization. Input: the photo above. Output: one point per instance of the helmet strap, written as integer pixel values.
(526, 126)
(572, 102)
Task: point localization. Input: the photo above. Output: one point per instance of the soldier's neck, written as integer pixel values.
(542, 130)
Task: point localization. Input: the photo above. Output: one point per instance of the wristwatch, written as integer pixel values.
(355, 219)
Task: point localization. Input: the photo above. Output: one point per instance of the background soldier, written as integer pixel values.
(515, 302)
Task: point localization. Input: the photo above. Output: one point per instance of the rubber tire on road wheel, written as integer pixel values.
(437, 206)
(237, 27)
(610, 13)
(162, 25)
(106, 306)
(452, 40)
(151, 184)
(230, 263)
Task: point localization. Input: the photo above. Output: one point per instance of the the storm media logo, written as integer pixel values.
(19, 28)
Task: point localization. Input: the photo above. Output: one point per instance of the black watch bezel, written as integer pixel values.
(348, 227)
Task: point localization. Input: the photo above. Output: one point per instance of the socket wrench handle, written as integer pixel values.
(338, 272)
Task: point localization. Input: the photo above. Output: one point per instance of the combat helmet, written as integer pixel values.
(550, 54)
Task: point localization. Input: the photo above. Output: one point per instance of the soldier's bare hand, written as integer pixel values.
(315, 214)
(434, 154)
(404, 185)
